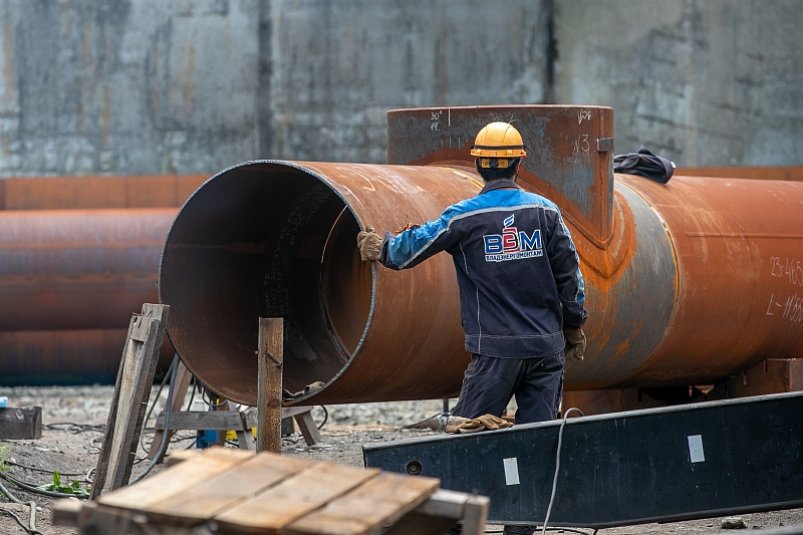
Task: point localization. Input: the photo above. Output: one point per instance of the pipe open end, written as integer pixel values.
(265, 239)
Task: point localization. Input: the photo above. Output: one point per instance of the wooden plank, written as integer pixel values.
(102, 467)
(120, 425)
(288, 501)
(101, 520)
(308, 428)
(21, 423)
(131, 395)
(445, 503)
(245, 437)
(378, 502)
(475, 515)
(180, 456)
(293, 410)
(269, 387)
(176, 480)
(129, 402)
(243, 481)
(421, 524)
(67, 512)
(152, 347)
(197, 420)
(440, 512)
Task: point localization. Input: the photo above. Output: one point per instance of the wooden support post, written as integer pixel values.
(269, 397)
(130, 399)
(308, 428)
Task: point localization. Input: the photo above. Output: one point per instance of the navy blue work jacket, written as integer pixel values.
(517, 269)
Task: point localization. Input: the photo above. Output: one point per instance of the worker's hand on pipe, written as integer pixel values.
(482, 423)
(575, 343)
(370, 244)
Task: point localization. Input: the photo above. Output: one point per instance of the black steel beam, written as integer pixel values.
(667, 464)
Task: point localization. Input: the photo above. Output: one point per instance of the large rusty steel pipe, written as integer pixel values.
(276, 239)
(686, 282)
(737, 286)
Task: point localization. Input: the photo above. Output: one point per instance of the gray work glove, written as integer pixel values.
(575, 343)
(370, 244)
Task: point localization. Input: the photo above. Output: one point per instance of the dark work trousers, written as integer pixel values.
(490, 382)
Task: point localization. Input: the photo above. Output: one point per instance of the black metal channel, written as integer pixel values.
(657, 465)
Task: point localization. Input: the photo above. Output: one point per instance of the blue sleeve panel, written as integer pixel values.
(517, 269)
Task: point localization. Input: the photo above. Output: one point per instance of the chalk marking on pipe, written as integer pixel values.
(511, 471)
(696, 452)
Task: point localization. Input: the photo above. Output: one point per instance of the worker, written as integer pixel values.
(521, 290)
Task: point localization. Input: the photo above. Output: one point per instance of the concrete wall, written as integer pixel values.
(339, 66)
(193, 86)
(127, 86)
(706, 82)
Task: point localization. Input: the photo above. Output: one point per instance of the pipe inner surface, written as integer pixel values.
(264, 240)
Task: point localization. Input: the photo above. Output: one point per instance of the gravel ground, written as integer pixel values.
(73, 419)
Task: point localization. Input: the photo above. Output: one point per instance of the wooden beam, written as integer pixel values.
(203, 420)
(129, 402)
(270, 358)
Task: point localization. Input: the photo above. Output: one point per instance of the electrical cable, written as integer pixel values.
(557, 466)
(570, 530)
(150, 411)
(43, 470)
(418, 423)
(163, 443)
(32, 523)
(8, 494)
(88, 478)
(325, 417)
(75, 428)
(192, 395)
(32, 488)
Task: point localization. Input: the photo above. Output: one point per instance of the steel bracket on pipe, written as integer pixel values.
(668, 464)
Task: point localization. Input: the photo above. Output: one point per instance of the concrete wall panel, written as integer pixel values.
(194, 86)
(704, 82)
(339, 66)
(127, 86)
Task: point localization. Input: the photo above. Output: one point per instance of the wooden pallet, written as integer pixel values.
(226, 490)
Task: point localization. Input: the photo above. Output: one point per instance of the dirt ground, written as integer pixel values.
(73, 419)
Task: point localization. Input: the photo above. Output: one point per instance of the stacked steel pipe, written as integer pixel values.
(78, 256)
